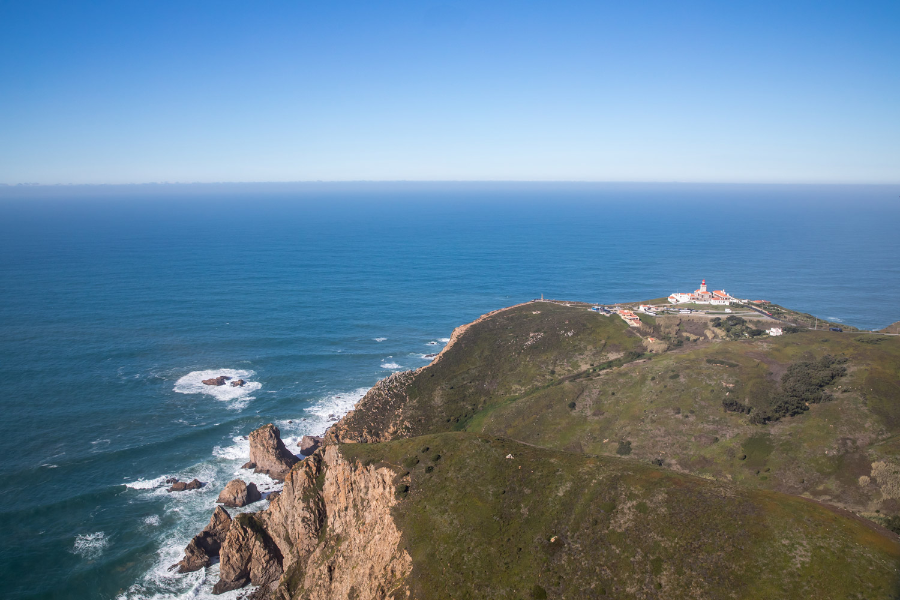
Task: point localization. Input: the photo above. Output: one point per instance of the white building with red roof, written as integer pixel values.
(702, 296)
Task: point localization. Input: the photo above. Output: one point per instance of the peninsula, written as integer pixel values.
(573, 450)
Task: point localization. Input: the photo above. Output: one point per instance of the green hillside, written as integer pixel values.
(812, 413)
(484, 517)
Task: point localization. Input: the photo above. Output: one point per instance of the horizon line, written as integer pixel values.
(445, 181)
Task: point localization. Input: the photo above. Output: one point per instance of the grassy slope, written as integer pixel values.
(555, 524)
(493, 380)
(671, 408)
(500, 358)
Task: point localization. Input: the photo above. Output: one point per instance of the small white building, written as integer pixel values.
(775, 331)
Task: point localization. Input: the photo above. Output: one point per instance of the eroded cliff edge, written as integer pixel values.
(329, 534)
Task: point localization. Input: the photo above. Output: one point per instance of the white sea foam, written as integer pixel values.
(432, 343)
(380, 339)
(146, 484)
(239, 397)
(90, 545)
(445, 340)
(390, 365)
(188, 512)
(152, 521)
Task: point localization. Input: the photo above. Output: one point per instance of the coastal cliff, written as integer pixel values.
(328, 535)
(423, 491)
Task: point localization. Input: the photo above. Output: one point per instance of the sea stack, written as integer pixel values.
(220, 380)
(269, 454)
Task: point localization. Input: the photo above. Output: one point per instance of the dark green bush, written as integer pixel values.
(732, 405)
(624, 448)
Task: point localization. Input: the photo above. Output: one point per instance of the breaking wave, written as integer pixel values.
(192, 383)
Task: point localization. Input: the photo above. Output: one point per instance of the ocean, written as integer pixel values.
(116, 301)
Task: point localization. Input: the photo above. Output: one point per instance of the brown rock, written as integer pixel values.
(272, 496)
(206, 544)
(180, 486)
(220, 380)
(238, 494)
(309, 444)
(248, 555)
(269, 454)
(238, 383)
(249, 465)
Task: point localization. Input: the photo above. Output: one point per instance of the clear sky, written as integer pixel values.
(131, 91)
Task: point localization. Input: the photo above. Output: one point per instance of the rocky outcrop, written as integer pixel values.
(330, 533)
(180, 486)
(220, 380)
(378, 416)
(238, 383)
(206, 544)
(309, 444)
(237, 494)
(269, 454)
(248, 556)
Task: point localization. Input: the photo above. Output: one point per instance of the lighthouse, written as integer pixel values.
(703, 286)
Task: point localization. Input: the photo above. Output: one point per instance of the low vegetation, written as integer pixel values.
(498, 519)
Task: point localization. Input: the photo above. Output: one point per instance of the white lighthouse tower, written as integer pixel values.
(703, 286)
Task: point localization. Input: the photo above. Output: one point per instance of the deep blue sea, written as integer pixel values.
(116, 301)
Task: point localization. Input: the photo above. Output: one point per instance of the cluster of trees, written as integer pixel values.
(736, 327)
(803, 384)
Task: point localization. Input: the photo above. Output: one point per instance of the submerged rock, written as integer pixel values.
(206, 544)
(269, 453)
(180, 486)
(237, 494)
(220, 380)
(309, 444)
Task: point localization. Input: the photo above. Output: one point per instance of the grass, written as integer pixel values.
(482, 525)
(667, 405)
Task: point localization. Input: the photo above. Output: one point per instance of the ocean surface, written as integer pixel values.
(116, 301)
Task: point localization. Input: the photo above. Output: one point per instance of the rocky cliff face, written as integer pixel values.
(291, 549)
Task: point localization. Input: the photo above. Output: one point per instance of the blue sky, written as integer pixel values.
(194, 91)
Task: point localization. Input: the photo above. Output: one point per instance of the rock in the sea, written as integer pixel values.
(269, 454)
(238, 494)
(180, 486)
(272, 495)
(248, 555)
(309, 444)
(249, 465)
(238, 383)
(206, 544)
(220, 380)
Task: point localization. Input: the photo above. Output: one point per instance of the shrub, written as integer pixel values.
(410, 461)
(893, 524)
(802, 384)
(571, 406)
(624, 448)
(732, 405)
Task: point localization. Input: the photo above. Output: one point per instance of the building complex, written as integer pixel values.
(703, 296)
